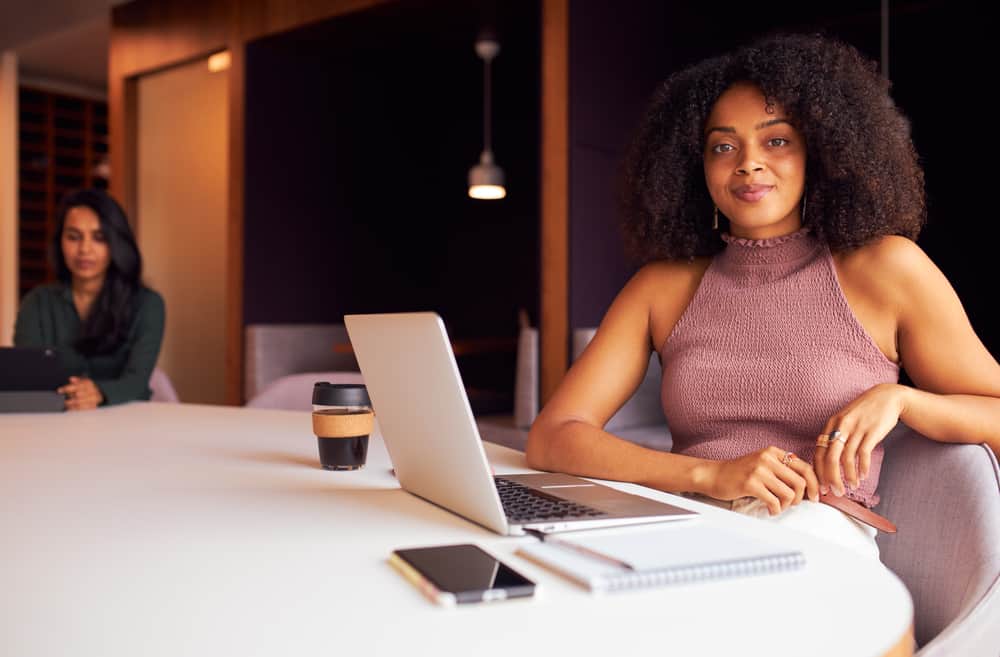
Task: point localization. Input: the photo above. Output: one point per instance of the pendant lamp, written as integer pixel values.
(486, 180)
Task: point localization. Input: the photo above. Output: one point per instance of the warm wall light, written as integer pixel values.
(486, 180)
(220, 61)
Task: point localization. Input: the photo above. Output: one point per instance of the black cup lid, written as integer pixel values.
(340, 394)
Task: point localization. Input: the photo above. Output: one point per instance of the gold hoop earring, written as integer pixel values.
(715, 219)
(802, 211)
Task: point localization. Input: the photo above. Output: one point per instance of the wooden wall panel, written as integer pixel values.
(234, 237)
(262, 17)
(554, 327)
(183, 173)
(148, 35)
(8, 197)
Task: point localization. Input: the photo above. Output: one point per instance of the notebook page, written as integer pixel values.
(676, 545)
(581, 568)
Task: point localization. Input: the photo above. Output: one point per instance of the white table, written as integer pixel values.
(165, 529)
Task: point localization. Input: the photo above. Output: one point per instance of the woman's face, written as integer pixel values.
(84, 245)
(755, 164)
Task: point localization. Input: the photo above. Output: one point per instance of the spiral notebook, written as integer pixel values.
(683, 552)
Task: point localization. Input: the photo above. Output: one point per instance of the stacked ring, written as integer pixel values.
(787, 458)
(823, 440)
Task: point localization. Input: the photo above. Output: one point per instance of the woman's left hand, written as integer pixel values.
(81, 394)
(862, 424)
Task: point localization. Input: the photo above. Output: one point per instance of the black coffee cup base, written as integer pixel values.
(341, 454)
(341, 468)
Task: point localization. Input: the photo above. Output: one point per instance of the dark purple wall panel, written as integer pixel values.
(360, 134)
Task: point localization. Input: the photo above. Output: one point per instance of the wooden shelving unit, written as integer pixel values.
(63, 145)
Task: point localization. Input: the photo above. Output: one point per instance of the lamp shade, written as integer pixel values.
(486, 179)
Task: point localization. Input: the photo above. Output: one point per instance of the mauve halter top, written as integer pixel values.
(765, 353)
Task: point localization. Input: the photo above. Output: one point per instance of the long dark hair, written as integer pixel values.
(108, 322)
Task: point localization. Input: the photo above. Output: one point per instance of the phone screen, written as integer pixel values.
(467, 572)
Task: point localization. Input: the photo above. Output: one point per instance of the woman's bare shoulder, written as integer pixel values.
(669, 274)
(668, 287)
(893, 263)
(891, 254)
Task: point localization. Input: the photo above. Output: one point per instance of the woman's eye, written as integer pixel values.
(99, 237)
(722, 148)
(777, 141)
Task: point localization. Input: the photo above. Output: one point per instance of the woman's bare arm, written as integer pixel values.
(957, 393)
(568, 434)
(958, 379)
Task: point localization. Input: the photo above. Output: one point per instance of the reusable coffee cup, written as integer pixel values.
(342, 421)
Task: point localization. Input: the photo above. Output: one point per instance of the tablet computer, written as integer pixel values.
(29, 377)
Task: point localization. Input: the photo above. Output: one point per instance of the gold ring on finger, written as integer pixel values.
(787, 458)
(823, 441)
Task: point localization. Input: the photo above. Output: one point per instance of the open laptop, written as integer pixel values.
(433, 441)
(29, 377)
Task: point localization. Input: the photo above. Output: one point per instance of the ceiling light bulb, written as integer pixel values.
(486, 179)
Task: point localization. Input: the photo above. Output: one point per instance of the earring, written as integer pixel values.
(802, 212)
(715, 219)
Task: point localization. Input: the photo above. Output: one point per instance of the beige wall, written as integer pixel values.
(8, 196)
(181, 220)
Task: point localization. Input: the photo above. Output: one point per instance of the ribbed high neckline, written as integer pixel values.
(776, 251)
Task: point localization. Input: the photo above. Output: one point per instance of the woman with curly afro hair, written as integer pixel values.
(773, 195)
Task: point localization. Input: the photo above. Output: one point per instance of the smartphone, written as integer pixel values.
(458, 574)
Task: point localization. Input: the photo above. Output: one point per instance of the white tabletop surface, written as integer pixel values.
(170, 529)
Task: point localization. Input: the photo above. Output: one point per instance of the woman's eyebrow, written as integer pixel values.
(759, 126)
(769, 123)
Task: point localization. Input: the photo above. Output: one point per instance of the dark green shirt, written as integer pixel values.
(48, 318)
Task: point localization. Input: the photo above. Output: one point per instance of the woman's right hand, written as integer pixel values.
(769, 475)
(81, 394)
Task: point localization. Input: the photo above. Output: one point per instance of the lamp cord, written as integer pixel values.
(487, 102)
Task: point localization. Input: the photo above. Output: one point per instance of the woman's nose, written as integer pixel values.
(748, 167)
(751, 162)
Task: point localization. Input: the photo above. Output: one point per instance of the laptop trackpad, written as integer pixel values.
(588, 493)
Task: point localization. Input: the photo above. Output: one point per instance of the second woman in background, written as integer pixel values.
(105, 324)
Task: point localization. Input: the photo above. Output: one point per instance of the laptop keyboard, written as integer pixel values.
(523, 504)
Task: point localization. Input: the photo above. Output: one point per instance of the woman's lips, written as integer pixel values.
(752, 193)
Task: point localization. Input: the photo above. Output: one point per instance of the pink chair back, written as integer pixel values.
(163, 390)
(294, 391)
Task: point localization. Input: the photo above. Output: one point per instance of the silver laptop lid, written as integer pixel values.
(424, 413)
